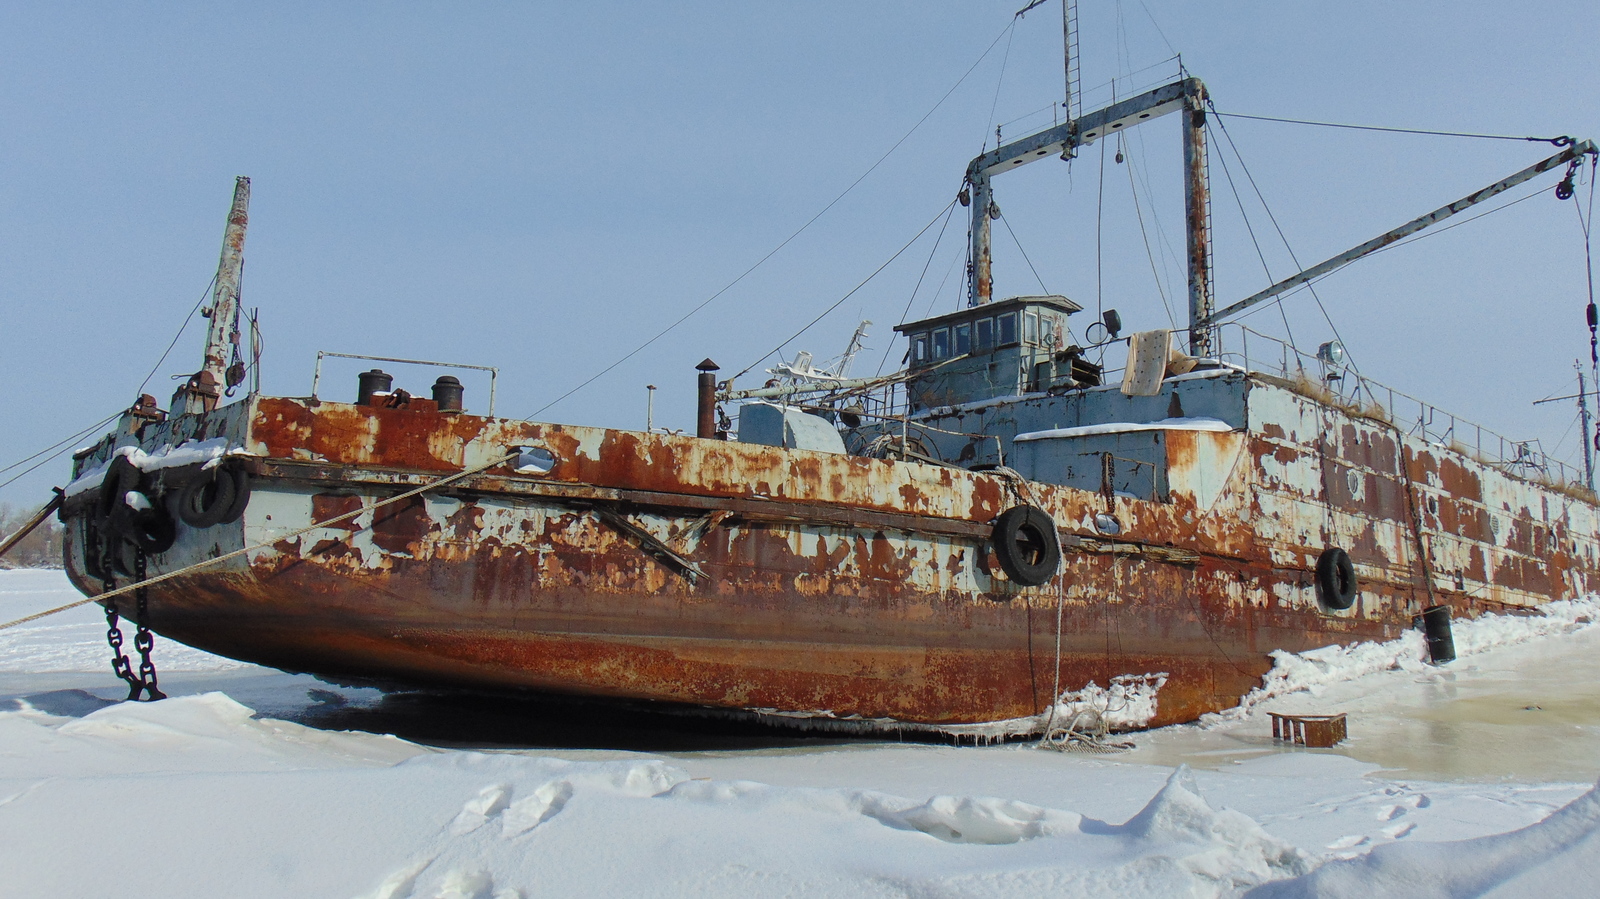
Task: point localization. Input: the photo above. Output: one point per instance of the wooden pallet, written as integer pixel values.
(1317, 731)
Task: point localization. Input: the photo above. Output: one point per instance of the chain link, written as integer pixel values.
(143, 684)
(119, 659)
(143, 639)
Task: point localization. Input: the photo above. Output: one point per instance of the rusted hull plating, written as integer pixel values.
(730, 575)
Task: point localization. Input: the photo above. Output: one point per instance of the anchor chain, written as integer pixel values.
(141, 686)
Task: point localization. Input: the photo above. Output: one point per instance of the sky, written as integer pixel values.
(544, 187)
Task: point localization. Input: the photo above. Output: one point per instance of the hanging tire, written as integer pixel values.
(152, 530)
(241, 493)
(121, 476)
(206, 500)
(1336, 579)
(1027, 546)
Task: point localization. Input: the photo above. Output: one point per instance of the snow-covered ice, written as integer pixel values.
(1470, 780)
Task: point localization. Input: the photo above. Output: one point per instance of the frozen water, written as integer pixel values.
(1471, 779)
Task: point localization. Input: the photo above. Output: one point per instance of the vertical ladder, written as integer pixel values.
(1069, 45)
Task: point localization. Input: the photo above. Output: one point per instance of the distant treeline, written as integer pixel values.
(40, 549)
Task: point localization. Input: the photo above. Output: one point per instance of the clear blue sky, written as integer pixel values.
(543, 186)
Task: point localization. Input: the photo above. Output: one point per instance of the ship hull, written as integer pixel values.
(735, 576)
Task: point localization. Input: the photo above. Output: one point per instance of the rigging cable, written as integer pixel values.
(840, 302)
(1169, 256)
(1138, 211)
(181, 328)
(1410, 240)
(913, 298)
(1099, 223)
(1223, 127)
(1558, 141)
(1250, 229)
(54, 450)
(1004, 60)
(1024, 254)
(786, 241)
(960, 256)
(1590, 311)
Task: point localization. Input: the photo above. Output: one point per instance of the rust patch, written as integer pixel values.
(325, 506)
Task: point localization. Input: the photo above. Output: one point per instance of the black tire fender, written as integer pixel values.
(1027, 545)
(121, 476)
(241, 493)
(152, 530)
(1336, 579)
(206, 500)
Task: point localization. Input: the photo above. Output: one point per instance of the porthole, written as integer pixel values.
(534, 460)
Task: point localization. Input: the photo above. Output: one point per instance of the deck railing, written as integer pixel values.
(1345, 387)
(1336, 384)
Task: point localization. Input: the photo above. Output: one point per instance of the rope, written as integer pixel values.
(450, 479)
(1558, 141)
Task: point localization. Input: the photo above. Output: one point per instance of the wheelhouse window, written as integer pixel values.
(941, 344)
(919, 348)
(1005, 328)
(1030, 327)
(983, 332)
(1050, 329)
(963, 334)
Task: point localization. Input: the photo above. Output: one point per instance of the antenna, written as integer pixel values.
(1069, 53)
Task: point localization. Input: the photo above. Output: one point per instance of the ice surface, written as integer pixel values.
(199, 796)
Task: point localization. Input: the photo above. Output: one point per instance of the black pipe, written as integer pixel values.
(371, 382)
(706, 417)
(449, 394)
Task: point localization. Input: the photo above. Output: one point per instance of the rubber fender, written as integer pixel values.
(121, 476)
(241, 493)
(1336, 579)
(207, 499)
(1027, 545)
(152, 530)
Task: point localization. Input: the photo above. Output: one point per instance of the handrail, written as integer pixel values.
(1429, 423)
(494, 373)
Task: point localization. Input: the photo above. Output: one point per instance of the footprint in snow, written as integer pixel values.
(472, 884)
(527, 813)
(1398, 831)
(1348, 842)
(490, 801)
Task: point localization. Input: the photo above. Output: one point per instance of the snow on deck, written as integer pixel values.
(1125, 427)
(199, 796)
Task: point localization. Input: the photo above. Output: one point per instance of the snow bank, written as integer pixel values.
(1550, 858)
(256, 813)
(1308, 672)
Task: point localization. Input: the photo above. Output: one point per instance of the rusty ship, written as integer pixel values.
(959, 545)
